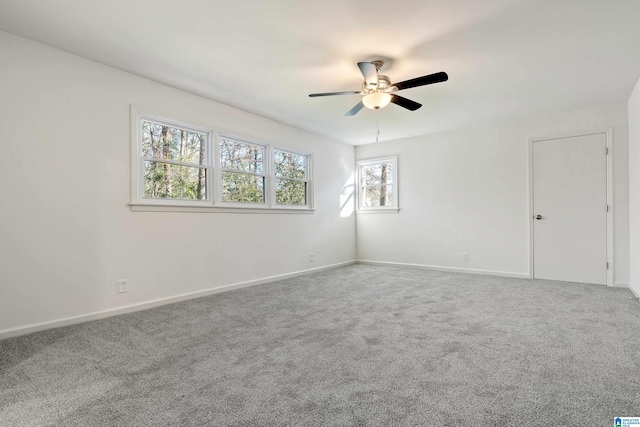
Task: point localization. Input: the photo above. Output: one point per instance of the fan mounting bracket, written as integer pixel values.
(378, 64)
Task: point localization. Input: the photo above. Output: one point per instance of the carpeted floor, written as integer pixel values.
(355, 346)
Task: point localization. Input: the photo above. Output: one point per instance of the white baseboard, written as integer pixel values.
(28, 329)
(620, 285)
(635, 294)
(451, 269)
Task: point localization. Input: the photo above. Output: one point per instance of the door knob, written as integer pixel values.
(538, 216)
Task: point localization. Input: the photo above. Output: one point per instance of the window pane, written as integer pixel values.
(243, 188)
(170, 143)
(290, 192)
(378, 196)
(167, 181)
(241, 156)
(290, 165)
(377, 174)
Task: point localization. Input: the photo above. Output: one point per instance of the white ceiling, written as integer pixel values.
(505, 58)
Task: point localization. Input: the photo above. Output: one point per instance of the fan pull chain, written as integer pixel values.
(377, 125)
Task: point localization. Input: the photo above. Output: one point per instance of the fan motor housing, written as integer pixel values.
(384, 85)
(383, 82)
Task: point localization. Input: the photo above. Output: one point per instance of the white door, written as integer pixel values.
(570, 209)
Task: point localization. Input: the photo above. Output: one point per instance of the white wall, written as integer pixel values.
(67, 233)
(634, 188)
(467, 191)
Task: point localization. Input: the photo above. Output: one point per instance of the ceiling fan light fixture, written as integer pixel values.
(376, 89)
(376, 100)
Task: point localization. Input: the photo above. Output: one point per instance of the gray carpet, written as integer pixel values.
(355, 346)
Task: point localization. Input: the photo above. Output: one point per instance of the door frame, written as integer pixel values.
(609, 141)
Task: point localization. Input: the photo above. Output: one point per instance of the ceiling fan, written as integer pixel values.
(377, 90)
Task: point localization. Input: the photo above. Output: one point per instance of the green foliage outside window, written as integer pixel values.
(175, 166)
(243, 171)
(291, 176)
(164, 146)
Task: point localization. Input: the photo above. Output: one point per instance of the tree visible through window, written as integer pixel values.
(243, 171)
(377, 180)
(175, 165)
(291, 177)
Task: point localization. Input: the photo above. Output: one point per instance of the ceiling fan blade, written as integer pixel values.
(370, 73)
(424, 80)
(405, 103)
(355, 109)
(334, 93)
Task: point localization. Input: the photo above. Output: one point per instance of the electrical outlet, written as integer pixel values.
(122, 286)
(312, 257)
(465, 256)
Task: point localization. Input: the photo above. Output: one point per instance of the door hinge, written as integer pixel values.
(607, 208)
(606, 151)
(607, 265)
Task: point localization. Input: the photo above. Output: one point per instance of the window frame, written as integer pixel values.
(393, 160)
(219, 170)
(138, 161)
(308, 178)
(213, 167)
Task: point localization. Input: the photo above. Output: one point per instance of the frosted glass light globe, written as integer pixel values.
(376, 100)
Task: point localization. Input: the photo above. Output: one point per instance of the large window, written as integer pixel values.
(178, 165)
(378, 184)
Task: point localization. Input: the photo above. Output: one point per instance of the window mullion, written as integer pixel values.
(270, 182)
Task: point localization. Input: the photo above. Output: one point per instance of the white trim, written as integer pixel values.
(610, 225)
(635, 294)
(530, 205)
(610, 210)
(450, 269)
(227, 208)
(620, 285)
(133, 154)
(377, 211)
(72, 320)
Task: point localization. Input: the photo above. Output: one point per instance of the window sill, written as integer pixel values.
(378, 211)
(141, 207)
